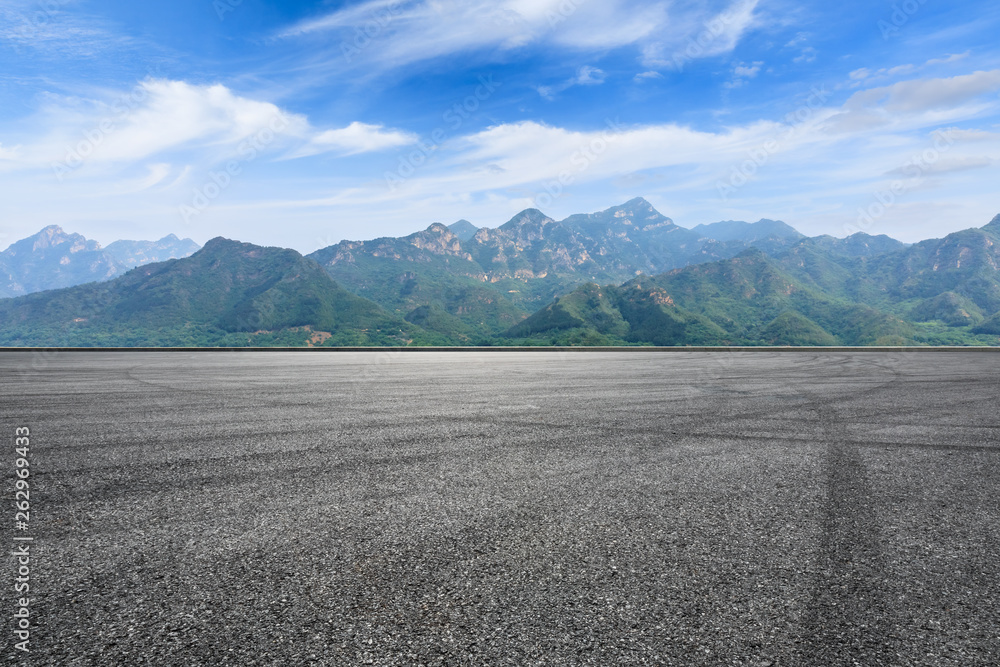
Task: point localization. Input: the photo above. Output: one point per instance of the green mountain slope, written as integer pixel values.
(228, 293)
(428, 269)
(746, 300)
(537, 281)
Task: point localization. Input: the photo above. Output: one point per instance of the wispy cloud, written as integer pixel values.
(356, 138)
(585, 76)
(646, 76)
(51, 30)
(916, 100)
(882, 73)
(743, 72)
(404, 33)
(699, 32)
(947, 166)
(202, 123)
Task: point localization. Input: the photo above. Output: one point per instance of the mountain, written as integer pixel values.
(531, 245)
(623, 276)
(745, 300)
(227, 293)
(426, 273)
(636, 238)
(856, 245)
(747, 232)
(135, 253)
(963, 263)
(52, 259)
(463, 229)
(820, 291)
(475, 283)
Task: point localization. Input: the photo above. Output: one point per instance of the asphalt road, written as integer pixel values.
(761, 509)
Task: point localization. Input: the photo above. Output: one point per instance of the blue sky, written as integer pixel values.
(303, 123)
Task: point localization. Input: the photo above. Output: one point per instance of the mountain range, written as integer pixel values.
(52, 259)
(624, 276)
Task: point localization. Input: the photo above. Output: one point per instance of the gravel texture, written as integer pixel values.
(755, 509)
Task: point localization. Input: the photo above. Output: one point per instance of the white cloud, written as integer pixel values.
(955, 57)
(51, 30)
(747, 71)
(177, 114)
(156, 117)
(155, 174)
(585, 76)
(644, 76)
(386, 33)
(520, 154)
(925, 94)
(919, 101)
(589, 76)
(957, 134)
(799, 38)
(946, 166)
(898, 70)
(208, 124)
(357, 138)
(743, 73)
(697, 33)
(527, 158)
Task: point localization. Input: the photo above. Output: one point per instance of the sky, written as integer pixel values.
(299, 124)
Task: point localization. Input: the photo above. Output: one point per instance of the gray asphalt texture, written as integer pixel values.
(759, 509)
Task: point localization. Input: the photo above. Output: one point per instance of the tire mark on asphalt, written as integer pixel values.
(849, 618)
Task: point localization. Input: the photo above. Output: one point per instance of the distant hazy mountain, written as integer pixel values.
(856, 245)
(52, 259)
(748, 232)
(227, 293)
(463, 229)
(136, 253)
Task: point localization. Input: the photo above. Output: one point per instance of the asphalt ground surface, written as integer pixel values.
(762, 509)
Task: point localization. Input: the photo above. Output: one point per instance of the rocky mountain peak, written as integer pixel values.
(437, 239)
